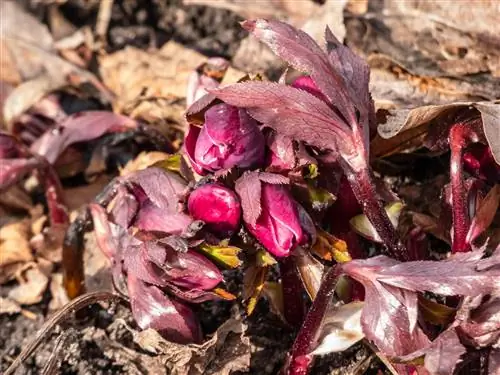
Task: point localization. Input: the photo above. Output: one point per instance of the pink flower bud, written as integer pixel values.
(229, 138)
(281, 225)
(217, 206)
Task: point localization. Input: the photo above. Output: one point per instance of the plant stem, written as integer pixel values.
(54, 195)
(363, 187)
(72, 255)
(300, 359)
(294, 307)
(461, 221)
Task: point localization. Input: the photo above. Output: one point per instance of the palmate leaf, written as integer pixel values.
(291, 112)
(80, 127)
(391, 304)
(249, 189)
(303, 53)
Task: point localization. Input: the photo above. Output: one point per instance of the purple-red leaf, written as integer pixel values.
(153, 309)
(442, 355)
(249, 188)
(454, 276)
(303, 53)
(80, 127)
(356, 75)
(391, 287)
(291, 112)
(13, 170)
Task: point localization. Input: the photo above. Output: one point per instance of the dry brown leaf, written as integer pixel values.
(33, 283)
(294, 12)
(48, 243)
(133, 74)
(404, 130)
(16, 198)
(226, 352)
(97, 266)
(143, 160)
(331, 13)
(30, 50)
(8, 306)
(76, 197)
(430, 52)
(58, 293)
(14, 244)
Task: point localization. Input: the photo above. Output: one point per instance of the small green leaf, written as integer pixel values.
(172, 163)
(312, 172)
(223, 253)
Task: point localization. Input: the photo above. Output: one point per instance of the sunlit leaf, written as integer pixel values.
(253, 285)
(222, 253)
(341, 329)
(171, 163)
(362, 225)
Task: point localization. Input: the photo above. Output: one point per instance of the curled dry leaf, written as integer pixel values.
(15, 249)
(8, 306)
(403, 129)
(33, 283)
(341, 328)
(485, 213)
(227, 351)
(31, 50)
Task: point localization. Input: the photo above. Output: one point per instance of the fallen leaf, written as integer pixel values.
(31, 49)
(142, 161)
(280, 9)
(341, 328)
(58, 293)
(133, 74)
(406, 130)
(8, 306)
(14, 245)
(33, 283)
(227, 351)
(48, 243)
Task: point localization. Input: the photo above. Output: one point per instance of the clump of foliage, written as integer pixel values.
(279, 173)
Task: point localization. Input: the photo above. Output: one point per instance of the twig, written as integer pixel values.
(52, 363)
(57, 318)
(103, 18)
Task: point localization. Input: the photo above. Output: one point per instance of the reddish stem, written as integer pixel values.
(363, 187)
(300, 359)
(459, 136)
(54, 195)
(294, 307)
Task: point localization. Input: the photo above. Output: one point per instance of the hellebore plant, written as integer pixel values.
(267, 160)
(140, 227)
(339, 125)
